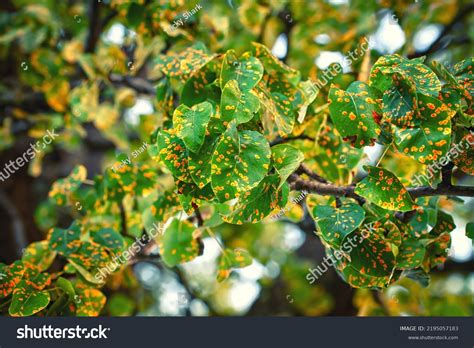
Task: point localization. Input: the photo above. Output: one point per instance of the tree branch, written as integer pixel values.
(296, 183)
(304, 169)
(94, 26)
(280, 140)
(436, 45)
(199, 218)
(137, 83)
(422, 191)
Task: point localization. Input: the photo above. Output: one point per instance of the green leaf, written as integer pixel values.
(273, 65)
(237, 105)
(199, 163)
(240, 162)
(352, 112)
(63, 188)
(444, 73)
(35, 278)
(39, 254)
(64, 241)
(229, 259)
(399, 105)
(120, 305)
(470, 230)
(356, 279)
(418, 276)
(429, 136)
(10, 276)
(135, 14)
(413, 71)
(259, 202)
(286, 159)
(392, 233)
(109, 238)
(174, 154)
(465, 158)
(191, 124)
(89, 302)
(335, 224)
(383, 188)
(67, 287)
(437, 251)
(179, 243)
(372, 255)
(200, 87)
(411, 254)
(246, 70)
(165, 205)
(444, 224)
(185, 63)
(285, 117)
(26, 301)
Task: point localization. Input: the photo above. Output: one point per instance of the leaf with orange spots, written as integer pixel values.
(246, 70)
(27, 301)
(444, 224)
(286, 159)
(413, 71)
(229, 259)
(145, 178)
(62, 189)
(182, 65)
(199, 163)
(164, 97)
(257, 203)
(174, 154)
(109, 238)
(89, 302)
(65, 241)
(180, 243)
(392, 233)
(200, 86)
(90, 258)
(384, 189)
(429, 136)
(464, 159)
(190, 124)
(190, 195)
(400, 104)
(437, 251)
(165, 205)
(410, 254)
(39, 254)
(273, 65)
(336, 223)
(240, 161)
(464, 74)
(10, 276)
(426, 213)
(57, 95)
(237, 105)
(35, 278)
(372, 254)
(334, 157)
(352, 113)
(356, 279)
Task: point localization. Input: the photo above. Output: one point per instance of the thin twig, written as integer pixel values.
(280, 140)
(304, 169)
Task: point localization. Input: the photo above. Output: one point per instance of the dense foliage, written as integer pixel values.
(235, 135)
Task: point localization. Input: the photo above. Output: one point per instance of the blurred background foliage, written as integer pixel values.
(86, 69)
